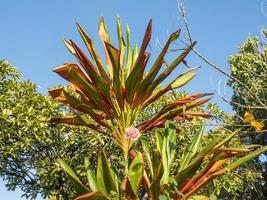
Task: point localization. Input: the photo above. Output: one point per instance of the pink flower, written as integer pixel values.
(132, 133)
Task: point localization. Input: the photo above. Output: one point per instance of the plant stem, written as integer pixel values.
(126, 164)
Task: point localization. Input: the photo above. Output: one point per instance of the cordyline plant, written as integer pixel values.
(198, 166)
(113, 96)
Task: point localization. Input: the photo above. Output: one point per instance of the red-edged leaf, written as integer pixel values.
(172, 66)
(191, 183)
(222, 171)
(175, 114)
(199, 114)
(136, 75)
(114, 55)
(157, 65)
(63, 96)
(85, 62)
(167, 71)
(73, 74)
(169, 111)
(187, 173)
(93, 52)
(75, 103)
(92, 195)
(104, 36)
(75, 121)
(103, 87)
(167, 88)
(92, 72)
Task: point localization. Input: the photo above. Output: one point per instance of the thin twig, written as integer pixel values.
(210, 63)
(241, 105)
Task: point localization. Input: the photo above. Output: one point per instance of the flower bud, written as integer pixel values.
(132, 133)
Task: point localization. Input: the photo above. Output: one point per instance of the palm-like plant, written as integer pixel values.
(113, 98)
(199, 165)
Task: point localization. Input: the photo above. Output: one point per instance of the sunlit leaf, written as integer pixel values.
(75, 181)
(248, 117)
(105, 180)
(136, 172)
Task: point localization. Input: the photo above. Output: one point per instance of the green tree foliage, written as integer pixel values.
(249, 65)
(29, 148)
(26, 145)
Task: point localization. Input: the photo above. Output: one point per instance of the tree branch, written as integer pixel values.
(182, 12)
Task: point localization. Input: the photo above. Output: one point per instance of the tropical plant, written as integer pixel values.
(198, 166)
(115, 99)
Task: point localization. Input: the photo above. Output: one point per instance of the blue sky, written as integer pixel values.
(32, 32)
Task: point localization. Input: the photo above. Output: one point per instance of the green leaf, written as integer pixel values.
(122, 48)
(75, 181)
(233, 68)
(147, 150)
(194, 165)
(166, 142)
(90, 175)
(105, 181)
(129, 53)
(244, 159)
(183, 80)
(136, 172)
(167, 88)
(134, 56)
(193, 148)
(213, 197)
(226, 139)
(158, 171)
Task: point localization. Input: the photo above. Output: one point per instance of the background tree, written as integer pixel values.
(249, 65)
(29, 148)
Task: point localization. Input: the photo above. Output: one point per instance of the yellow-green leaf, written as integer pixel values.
(183, 80)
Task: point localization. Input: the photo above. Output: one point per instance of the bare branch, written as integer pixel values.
(209, 62)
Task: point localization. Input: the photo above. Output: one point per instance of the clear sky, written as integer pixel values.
(31, 34)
